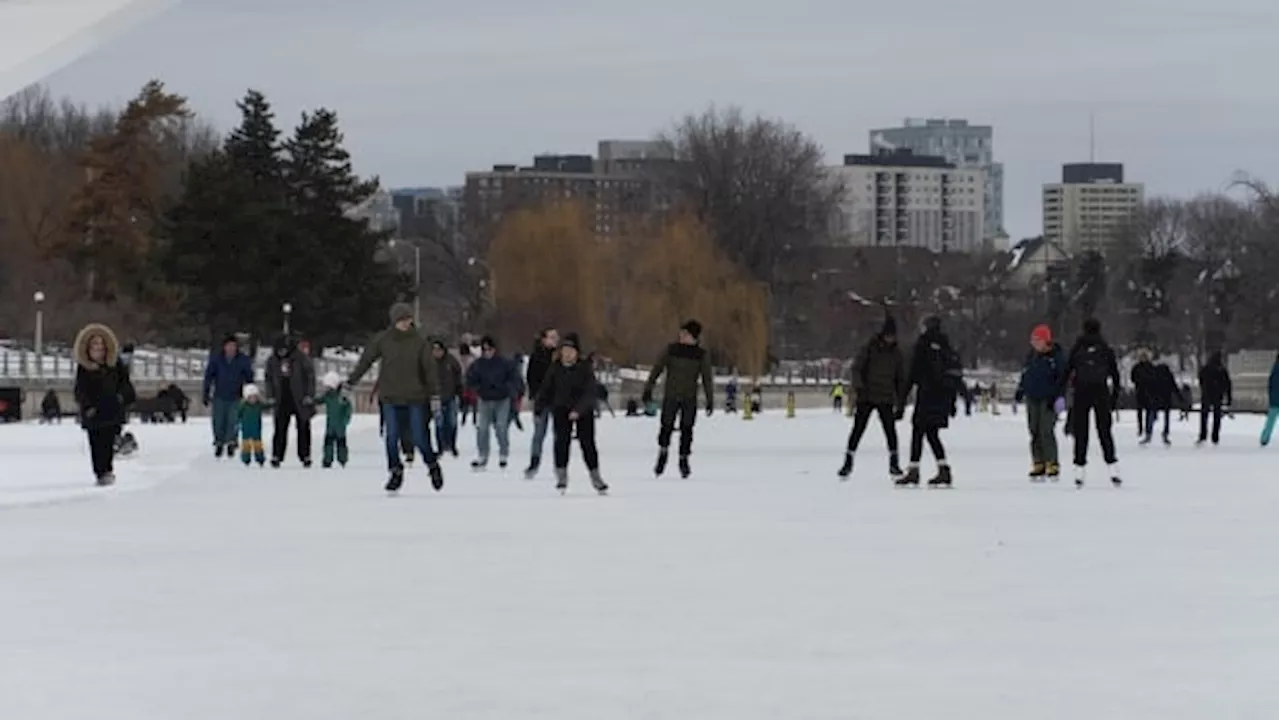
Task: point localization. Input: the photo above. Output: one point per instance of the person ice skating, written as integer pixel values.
(1162, 393)
(103, 391)
(837, 397)
(468, 397)
(407, 379)
(1042, 387)
(50, 408)
(225, 376)
(448, 388)
(1215, 394)
(568, 394)
(879, 377)
(405, 438)
(337, 416)
(731, 396)
(249, 419)
(540, 361)
(495, 382)
(1091, 365)
(291, 387)
(684, 362)
(1143, 378)
(935, 373)
(517, 400)
(1272, 402)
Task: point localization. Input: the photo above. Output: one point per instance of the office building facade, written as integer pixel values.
(1089, 206)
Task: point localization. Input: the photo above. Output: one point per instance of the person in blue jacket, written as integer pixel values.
(1273, 406)
(1043, 386)
(496, 382)
(225, 376)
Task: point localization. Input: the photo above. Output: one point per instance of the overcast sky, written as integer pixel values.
(1184, 91)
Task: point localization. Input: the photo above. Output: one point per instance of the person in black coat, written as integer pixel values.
(568, 395)
(50, 408)
(936, 375)
(1215, 393)
(1162, 393)
(291, 386)
(1143, 378)
(103, 391)
(1091, 365)
(878, 376)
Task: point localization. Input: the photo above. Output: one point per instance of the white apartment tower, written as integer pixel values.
(1084, 211)
(898, 198)
(964, 146)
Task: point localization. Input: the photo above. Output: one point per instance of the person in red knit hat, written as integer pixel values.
(1043, 387)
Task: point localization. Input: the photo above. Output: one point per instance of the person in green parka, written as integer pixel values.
(249, 416)
(337, 416)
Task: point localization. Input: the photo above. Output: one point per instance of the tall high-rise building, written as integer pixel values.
(625, 157)
(964, 146)
(899, 198)
(1084, 211)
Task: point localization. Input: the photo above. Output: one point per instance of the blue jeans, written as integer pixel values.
(1151, 422)
(225, 421)
(417, 429)
(1270, 426)
(494, 414)
(540, 422)
(447, 424)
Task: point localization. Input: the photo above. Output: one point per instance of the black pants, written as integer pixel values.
(286, 410)
(837, 403)
(862, 416)
(687, 410)
(919, 433)
(1205, 410)
(102, 449)
(1100, 403)
(563, 429)
(1142, 420)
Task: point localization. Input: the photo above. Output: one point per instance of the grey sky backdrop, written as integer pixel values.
(1184, 91)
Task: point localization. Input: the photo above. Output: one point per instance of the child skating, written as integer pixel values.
(249, 415)
(568, 392)
(337, 416)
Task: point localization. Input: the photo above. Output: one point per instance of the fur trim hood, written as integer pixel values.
(81, 347)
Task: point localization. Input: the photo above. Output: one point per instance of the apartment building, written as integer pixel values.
(1086, 209)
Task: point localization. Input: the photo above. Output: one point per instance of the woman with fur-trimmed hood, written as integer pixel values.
(103, 392)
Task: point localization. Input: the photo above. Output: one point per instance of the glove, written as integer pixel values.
(646, 397)
(1060, 405)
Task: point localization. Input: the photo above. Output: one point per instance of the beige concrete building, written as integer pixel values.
(1084, 211)
(898, 198)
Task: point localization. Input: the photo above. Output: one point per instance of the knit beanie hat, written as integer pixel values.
(1042, 333)
(571, 340)
(401, 311)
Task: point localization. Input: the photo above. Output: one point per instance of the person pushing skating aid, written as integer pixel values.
(684, 362)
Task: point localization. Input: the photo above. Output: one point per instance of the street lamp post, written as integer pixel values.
(39, 300)
(489, 284)
(287, 309)
(417, 278)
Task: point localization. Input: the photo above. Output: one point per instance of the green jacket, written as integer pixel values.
(684, 365)
(250, 415)
(337, 413)
(408, 373)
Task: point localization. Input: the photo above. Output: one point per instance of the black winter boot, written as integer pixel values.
(943, 478)
(911, 479)
(437, 476)
(661, 465)
(685, 470)
(847, 468)
(395, 481)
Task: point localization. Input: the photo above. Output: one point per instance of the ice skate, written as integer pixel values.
(218, 450)
(306, 462)
(685, 470)
(106, 479)
(437, 476)
(942, 479)
(395, 481)
(562, 480)
(911, 478)
(660, 466)
(895, 470)
(1114, 472)
(532, 471)
(847, 468)
(1080, 476)
(1051, 471)
(1165, 440)
(479, 464)
(232, 448)
(502, 463)
(275, 462)
(1037, 472)
(598, 483)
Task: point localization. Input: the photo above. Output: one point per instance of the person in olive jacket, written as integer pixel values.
(568, 395)
(291, 385)
(448, 389)
(685, 363)
(879, 376)
(407, 379)
(103, 391)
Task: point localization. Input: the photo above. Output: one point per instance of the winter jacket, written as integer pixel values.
(337, 413)
(408, 373)
(103, 392)
(936, 375)
(1091, 364)
(249, 415)
(1273, 387)
(540, 359)
(879, 374)
(1044, 375)
(225, 377)
(290, 371)
(448, 377)
(1215, 382)
(568, 387)
(684, 366)
(1143, 377)
(1163, 393)
(51, 406)
(493, 378)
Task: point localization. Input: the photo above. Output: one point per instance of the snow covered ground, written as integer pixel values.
(760, 588)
